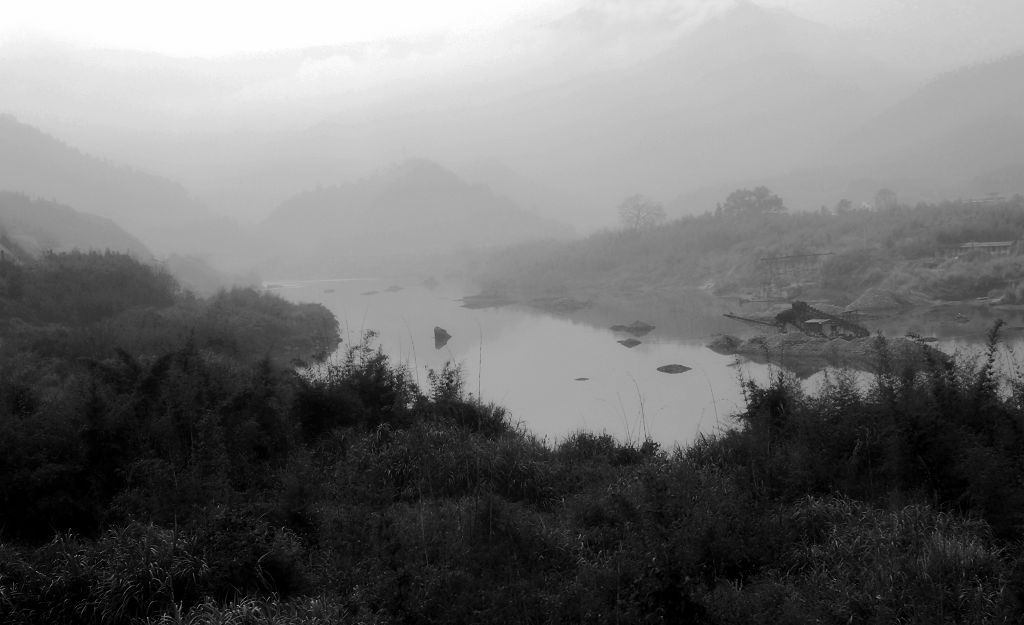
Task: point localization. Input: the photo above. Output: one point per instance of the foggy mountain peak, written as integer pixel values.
(414, 207)
(418, 174)
(158, 210)
(959, 128)
(581, 105)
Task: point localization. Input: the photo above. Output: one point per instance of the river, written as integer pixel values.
(556, 374)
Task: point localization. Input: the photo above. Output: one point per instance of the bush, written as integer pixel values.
(127, 574)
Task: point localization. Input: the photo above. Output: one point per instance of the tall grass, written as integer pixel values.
(895, 501)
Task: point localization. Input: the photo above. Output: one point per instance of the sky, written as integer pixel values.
(205, 28)
(217, 27)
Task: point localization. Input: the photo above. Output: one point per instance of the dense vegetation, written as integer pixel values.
(194, 479)
(899, 247)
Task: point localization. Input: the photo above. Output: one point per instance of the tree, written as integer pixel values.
(639, 212)
(886, 199)
(756, 201)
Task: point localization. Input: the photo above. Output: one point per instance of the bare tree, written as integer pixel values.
(639, 212)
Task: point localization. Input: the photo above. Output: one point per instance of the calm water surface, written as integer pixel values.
(528, 361)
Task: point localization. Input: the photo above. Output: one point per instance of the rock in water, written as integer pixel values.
(441, 337)
(673, 368)
(629, 342)
(637, 328)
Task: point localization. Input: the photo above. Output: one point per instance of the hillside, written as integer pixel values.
(752, 92)
(416, 207)
(962, 126)
(902, 249)
(602, 114)
(31, 228)
(156, 210)
(959, 135)
(37, 226)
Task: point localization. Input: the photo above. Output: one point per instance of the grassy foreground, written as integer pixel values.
(199, 483)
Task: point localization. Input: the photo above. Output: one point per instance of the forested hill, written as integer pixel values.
(890, 246)
(96, 304)
(414, 207)
(36, 226)
(157, 210)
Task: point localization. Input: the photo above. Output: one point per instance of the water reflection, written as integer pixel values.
(557, 375)
(553, 374)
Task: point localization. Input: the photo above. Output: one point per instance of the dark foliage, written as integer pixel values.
(199, 484)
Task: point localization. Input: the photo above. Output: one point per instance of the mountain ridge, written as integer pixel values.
(415, 206)
(158, 211)
(37, 226)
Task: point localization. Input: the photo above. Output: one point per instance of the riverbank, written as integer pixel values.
(805, 355)
(203, 483)
(695, 314)
(392, 503)
(916, 270)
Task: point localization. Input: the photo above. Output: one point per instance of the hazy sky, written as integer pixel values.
(217, 27)
(415, 73)
(211, 27)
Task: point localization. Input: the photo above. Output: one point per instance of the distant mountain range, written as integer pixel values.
(752, 92)
(957, 131)
(416, 207)
(158, 211)
(745, 96)
(960, 135)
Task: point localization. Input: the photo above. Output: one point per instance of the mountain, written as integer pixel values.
(613, 99)
(530, 193)
(751, 92)
(416, 207)
(961, 132)
(38, 226)
(959, 135)
(158, 211)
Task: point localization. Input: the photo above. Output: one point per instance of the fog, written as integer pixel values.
(534, 311)
(560, 108)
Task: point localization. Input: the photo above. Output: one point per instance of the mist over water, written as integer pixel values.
(529, 362)
(548, 311)
(485, 146)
